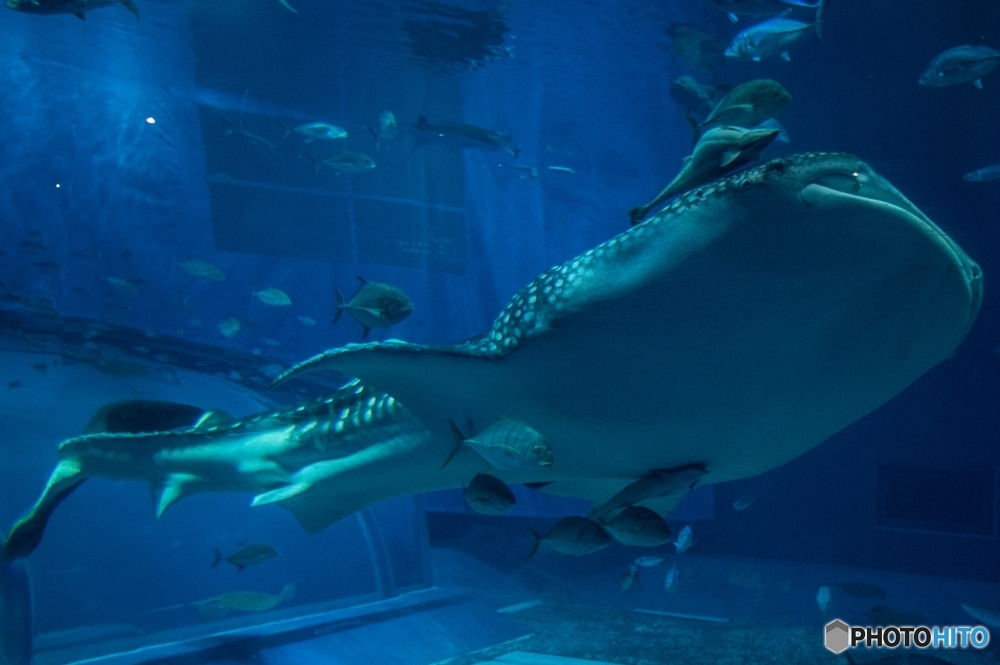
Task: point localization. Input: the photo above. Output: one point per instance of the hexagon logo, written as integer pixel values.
(837, 637)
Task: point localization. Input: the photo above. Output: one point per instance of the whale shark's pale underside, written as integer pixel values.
(736, 329)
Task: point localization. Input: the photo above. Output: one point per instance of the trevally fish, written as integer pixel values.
(638, 526)
(488, 495)
(307, 321)
(201, 269)
(771, 37)
(76, 7)
(374, 305)
(670, 580)
(506, 445)
(248, 555)
(273, 297)
(684, 540)
(747, 105)
(216, 607)
(962, 64)
(719, 151)
(984, 174)
(648, 561)
(655, 484)
(629, 578)
(321, 131)
(229, 327)
(572, 535)
(345, 162)
(823, 599)
(467, 136)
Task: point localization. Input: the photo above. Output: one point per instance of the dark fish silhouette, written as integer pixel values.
(468, 136)
(248, 555)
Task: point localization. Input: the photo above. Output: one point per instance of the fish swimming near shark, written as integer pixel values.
(775, 36)
(812, 265)
(78, 8)
(374, 305)
(719, 151)
(747, 105)
(467, 136)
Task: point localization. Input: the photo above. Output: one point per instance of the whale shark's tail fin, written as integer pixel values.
(16, 613)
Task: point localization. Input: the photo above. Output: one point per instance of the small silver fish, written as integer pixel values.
(273, 297)
(506, 444)
(201, 269)
(640, 527)
(629, 578)
(823, 599)
(648, 561)
(573, 535)
(345, 162)
(306, 321)
(321, 131)
(248, 555)
(684, 540)
(488, 495)
(670, 581)
(775, 36)
(229, 327)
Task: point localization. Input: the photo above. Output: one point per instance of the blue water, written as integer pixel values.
(128, 146)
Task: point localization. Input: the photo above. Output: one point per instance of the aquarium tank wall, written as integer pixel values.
(404, 331)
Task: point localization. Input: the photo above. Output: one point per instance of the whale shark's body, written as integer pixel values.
(739, 327)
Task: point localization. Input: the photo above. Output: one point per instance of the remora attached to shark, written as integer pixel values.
(734, 330)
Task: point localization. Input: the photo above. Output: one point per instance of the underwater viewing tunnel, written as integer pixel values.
(476, 331)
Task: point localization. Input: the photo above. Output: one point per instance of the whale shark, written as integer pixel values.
(740, 326)
(736, 329)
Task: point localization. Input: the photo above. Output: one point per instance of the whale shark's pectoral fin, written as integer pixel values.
(27, 532)
(167, 492)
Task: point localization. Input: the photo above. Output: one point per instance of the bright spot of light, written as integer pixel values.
(58, 185)
(151, 120)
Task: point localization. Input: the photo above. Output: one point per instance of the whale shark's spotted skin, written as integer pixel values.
(532, 310)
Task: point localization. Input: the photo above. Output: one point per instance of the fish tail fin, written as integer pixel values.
(129, 5)
(216, 557)
(820, 10)
(695, 127)
(459, 440)
(536, 541)
(340, 306)
(636, 214)
(364, 332)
